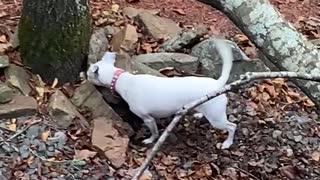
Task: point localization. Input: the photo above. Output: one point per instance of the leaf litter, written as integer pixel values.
(262, 111)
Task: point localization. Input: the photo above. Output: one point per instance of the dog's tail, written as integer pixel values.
(227, 58)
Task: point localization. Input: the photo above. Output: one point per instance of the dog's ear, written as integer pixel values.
(109, 57)
(95, 68)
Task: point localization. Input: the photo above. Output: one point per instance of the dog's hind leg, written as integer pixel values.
(152, 125)
(217, 117)
(150, 122)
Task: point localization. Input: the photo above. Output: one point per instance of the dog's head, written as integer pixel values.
(101, 72)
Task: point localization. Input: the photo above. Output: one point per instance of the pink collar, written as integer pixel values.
(116, 76)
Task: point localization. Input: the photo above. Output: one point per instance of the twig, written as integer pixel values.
(247, 173)
(244, 79)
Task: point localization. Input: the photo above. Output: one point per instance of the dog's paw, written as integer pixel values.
(226, 144)
(148, 141)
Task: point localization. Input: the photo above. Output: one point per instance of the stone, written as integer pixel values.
(63, 111)
(97, 46)
(131, 12)
(87, 96)
(125, 39)
(124, 61)
(207, 49)
(157, 27)
(6, 93)
(111, 30)
(276, 134)
(4, 61)
(238, 68)
(24, 152)
(14, 40)
(140, 68)
(183, 40)
(158, 61)
(33, 132)
(19, 106)
(19, 78)
(106, 137)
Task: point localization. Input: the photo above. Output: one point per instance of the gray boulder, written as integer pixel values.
(4, 61)
(6, 93)
(17, 77)
(157, 27)
(158, 61)
(207, 49)
(63, 111)
(97, 45)
(19, 106)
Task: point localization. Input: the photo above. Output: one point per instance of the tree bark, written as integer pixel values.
(276, 38)
(54, 38)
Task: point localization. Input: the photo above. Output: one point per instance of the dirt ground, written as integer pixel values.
(277, 137)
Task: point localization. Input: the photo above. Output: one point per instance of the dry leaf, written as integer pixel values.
(115, 7)
(294, 96)
(253, 105)
(40, 91)
(147, 47)
(45, 135)
(3, 14)
(316, 156)
(84, 154)
(270, 89)
(308, 103)
(288, 171)
(4, 47)
(241, 38)
(30, 160)
(55, 82)
(179, 11)
(12, 127)
(3, 39)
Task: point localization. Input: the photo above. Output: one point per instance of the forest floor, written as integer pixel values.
(277, 137)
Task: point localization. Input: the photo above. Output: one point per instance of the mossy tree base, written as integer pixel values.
(54, 38)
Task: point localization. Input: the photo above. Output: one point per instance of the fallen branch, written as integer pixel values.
(244, 79)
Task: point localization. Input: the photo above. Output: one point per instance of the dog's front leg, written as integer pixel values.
(152, 125)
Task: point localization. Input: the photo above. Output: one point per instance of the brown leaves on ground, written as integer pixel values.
(276, 94)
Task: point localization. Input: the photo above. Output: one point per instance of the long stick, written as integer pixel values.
(248, 77)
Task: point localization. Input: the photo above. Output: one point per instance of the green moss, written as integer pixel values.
(54, 41)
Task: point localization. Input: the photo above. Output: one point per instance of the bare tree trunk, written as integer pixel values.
(54, 38)
(277, 39)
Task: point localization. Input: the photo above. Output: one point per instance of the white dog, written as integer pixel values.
(151, 97)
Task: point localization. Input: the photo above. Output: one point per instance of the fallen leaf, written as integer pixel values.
(288, 171)
(84, 154)
(3, 14)
(308, 103)
(146, 47)
(55, 82)
(179, 11)
(271, 90)
(45, 135)
(241, 38)
(30, 160)
(316, 156)
(115, 7)
(40, 91)
(231, 173)
(4, 47)
(3, 39)
(12, 127)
